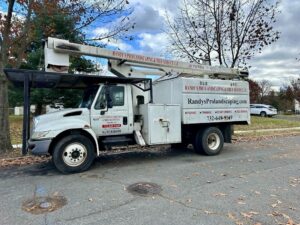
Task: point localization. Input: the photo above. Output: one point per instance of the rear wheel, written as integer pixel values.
(263, 114)
(209, 141)
(73, 153)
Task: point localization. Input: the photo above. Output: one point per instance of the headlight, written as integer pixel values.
(39, 135)
(36, 121)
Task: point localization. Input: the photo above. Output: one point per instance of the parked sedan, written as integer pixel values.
(262, 110)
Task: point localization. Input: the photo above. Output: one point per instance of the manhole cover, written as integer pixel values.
(144, 189)
(39, 205)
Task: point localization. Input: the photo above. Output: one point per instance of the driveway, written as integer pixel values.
(248, 183)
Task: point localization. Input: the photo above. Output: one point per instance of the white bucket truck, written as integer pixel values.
(189, 104)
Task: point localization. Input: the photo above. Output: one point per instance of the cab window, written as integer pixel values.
(117, 94)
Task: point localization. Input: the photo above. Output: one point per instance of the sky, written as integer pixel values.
(277, 63)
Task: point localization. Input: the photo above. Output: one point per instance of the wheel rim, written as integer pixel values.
(213, 141)
(74, 154)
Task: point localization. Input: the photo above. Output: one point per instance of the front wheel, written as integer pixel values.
(73, 153)
(209, 141)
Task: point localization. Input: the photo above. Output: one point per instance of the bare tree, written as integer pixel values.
(226, 32)
(265, 89)
(295, 85)
(255, 91)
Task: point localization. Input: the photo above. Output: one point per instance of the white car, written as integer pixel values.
(262, 110)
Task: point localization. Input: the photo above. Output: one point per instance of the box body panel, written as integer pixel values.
(206, 100)
(161, 123)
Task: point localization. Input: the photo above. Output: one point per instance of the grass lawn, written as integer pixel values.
(16, 123)
(256, 123)
(267, 123)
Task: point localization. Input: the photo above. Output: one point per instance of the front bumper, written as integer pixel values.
(39, 147)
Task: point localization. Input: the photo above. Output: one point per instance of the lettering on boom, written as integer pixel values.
(141, 58)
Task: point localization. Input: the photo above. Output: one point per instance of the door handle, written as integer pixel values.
(125, 121)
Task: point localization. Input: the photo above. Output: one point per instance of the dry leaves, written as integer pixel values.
(276, 204)
(220, 194)
(283, 216)
(22, 161)
(257, 192)
(294, 181)
(249, 215)
(232, 217)
(208, 212)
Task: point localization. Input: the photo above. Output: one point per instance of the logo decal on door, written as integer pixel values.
(111, 125)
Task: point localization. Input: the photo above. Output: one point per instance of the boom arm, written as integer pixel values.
(57, 53)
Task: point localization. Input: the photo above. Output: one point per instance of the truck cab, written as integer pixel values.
(106, 116)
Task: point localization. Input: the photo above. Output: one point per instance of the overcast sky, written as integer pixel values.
(277, 63)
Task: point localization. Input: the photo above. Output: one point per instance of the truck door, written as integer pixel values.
(111, 121)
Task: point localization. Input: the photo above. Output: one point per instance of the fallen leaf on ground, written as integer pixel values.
(231, 216)
(246, 215)
(220, 194)
(196, 174)
(208, 212)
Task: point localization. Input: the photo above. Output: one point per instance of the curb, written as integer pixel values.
(266, 130)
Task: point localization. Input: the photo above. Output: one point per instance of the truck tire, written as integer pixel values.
(209, 141)
(74, 153)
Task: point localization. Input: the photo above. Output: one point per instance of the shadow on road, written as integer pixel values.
(107, 160)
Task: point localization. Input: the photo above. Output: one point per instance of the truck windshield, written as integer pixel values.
(88, 97)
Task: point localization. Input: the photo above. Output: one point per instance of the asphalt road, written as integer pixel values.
(249, 183)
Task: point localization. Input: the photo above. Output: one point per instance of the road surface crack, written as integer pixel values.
(102, 210)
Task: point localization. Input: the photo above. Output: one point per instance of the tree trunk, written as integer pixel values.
(5, 142)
